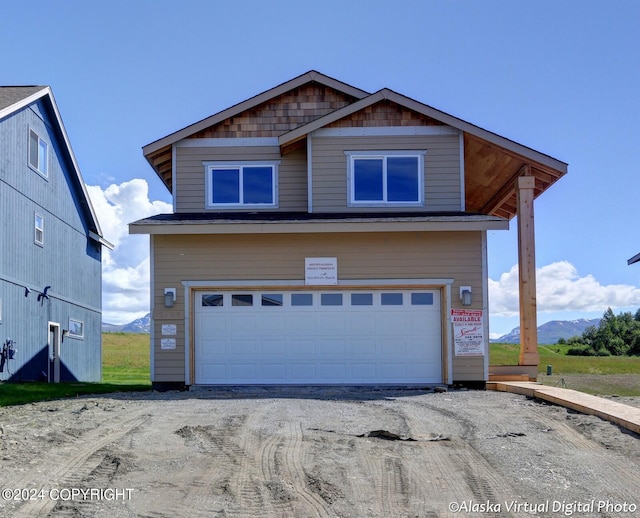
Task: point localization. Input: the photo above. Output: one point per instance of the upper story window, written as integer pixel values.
(386, 178)
(38, 229)
(241, 184)
(38, 153)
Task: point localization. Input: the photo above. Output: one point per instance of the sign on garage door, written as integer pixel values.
(318, 337)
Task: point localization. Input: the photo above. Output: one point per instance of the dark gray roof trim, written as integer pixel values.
(273, 217)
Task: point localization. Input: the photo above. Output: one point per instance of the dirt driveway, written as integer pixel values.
(314, 453)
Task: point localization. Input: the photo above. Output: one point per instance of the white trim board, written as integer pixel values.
(386, 131)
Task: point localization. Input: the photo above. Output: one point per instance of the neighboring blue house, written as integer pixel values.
(50, 247)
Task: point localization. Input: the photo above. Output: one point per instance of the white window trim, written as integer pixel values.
(41, 169)
(352, 155)
(37, 229)
(74, 335)
(211, 166)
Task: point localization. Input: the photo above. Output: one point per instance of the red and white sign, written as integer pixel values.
(468, 331)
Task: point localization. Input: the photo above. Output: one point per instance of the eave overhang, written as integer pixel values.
(490, 159)
(184, 225)
(35, 94)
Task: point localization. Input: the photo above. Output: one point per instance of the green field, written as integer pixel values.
(125, 367)
(599, 375)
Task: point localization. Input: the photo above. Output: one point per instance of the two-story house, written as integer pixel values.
(50, 247)
(325, 235)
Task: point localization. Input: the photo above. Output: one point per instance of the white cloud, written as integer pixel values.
(125, 269)
(560, 288)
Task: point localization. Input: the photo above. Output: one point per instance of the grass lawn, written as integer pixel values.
(598, 375)
(125, 367)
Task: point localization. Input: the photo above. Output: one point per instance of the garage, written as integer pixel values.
(317, 337)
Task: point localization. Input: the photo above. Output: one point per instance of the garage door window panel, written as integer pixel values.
(331, 299)
(391, 299)
(362, 299)
(212, 300)
(242, 300)
(422, 299)
(302, 299)
(272, 299)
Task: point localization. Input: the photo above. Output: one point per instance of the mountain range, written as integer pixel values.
(551, 332)
(140, 325)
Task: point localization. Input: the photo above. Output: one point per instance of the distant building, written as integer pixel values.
(50, 247)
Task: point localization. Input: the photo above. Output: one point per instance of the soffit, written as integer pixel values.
(491, 162)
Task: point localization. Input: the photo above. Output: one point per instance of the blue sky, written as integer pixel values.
(560, 77)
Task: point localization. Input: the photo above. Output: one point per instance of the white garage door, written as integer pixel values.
(318, 337)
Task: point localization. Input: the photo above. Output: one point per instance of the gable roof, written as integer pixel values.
(450, 120)
(492, 163)
(253, 102)
(15, 98)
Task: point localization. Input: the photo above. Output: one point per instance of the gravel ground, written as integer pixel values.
(314, 453)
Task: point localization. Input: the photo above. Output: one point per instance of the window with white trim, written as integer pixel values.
(38, 153)
(38, 229)
(385, 178)
(76, 328)
(241, 184)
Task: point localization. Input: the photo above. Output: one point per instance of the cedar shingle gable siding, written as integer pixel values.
(384, 113)
(281, 114)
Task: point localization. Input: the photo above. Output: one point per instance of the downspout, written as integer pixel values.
(309, 174)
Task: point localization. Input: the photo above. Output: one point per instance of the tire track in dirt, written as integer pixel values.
(282, 491)
(571, 438)
(293, 467)
(217, 454)
(463, 473)
(108, 466)
(58, 468)
(246, 484)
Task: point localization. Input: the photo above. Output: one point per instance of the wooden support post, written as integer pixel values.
(527, 270)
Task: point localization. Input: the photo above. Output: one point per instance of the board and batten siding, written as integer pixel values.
(190, 175)
(67, 261)
(442, 179)
(281, 257)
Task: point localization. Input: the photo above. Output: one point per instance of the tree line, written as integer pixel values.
(616, 335)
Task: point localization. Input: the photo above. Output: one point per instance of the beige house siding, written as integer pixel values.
(422, 255)
(190, 175)
(442, 179)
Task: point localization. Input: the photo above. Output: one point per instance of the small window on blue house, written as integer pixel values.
(38, 153)
(242, 185)
(38, 231)
(76, 328)
(385, 178)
